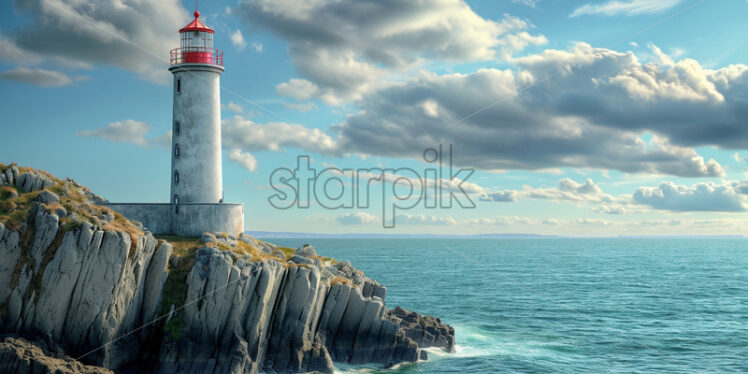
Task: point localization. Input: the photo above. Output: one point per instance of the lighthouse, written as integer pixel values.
(196, 202)
(196, 67)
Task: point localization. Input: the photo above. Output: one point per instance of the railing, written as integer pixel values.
(195, 55)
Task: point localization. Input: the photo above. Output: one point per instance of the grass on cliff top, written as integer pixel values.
(14, 211)
(187, 246)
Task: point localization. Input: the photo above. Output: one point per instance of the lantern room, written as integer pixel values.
(196, 45)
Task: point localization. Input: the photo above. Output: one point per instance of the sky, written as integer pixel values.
(568, 117)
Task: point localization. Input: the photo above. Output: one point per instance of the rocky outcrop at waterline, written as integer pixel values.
(81, 277)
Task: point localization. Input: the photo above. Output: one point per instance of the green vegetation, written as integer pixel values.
(183, 246)
(289, 252)
(175, 293)
(14, 211)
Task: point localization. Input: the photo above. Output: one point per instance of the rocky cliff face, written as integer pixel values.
(80, 276)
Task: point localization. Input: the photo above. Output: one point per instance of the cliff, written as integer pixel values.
(81, 277)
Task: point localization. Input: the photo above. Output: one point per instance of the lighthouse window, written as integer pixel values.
(176, 177)
(176, 127)
(179, 85)
(176, 199)
(176, 150)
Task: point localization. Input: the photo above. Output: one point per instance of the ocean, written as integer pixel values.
(566, 305)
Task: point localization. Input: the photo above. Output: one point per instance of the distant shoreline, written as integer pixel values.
(292, 235)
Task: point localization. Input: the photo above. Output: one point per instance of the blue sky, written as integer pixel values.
(585, 118)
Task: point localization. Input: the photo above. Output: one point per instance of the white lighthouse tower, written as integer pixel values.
(196, 132)
(196, 203)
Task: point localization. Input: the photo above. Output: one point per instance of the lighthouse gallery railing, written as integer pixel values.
(196, 55)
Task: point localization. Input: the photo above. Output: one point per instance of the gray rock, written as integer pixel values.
(373, 289)
(48, 197)
(426, 331)
(247, 239)
(9, 176)
(346, 268)
(34, 181)
(96, 199)
(106, 217)
(267, 247)
(17, 355)
(307, 251)
(226, 239)
(301, 260)
(3, 179)
(279, 254)
(208, 238)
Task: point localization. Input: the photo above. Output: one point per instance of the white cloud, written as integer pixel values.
(502, 221)
(616, 209)
(247, 135)
(591, 114)
(530, 3)
(625, 7)
(363, 218)
(245, 159)
(39, 77)
(357, 218)
(705, 196)
(592, 222)
(658, 222)
(129, 35)
(566, 190)
(420, 219)
(258, 47)
(569, 190)
(346, 47)
(430, 108)
(11, 52)
(506, 196)
(234, 107)
(237, 39)
(129, 131)
(299, 89)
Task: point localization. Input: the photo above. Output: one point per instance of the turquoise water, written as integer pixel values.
(567, 305)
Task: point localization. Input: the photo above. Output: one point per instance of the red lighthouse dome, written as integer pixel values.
(196, 25)
(196, 45)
